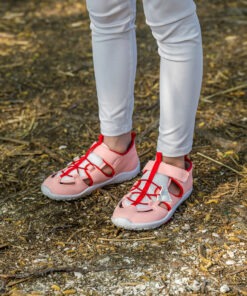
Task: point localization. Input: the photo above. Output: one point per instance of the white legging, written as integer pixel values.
(176, 28)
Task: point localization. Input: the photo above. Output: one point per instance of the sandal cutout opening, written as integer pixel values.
(165, 205)
(68, 182)
(87, 181)
(106, 170)
(121, 205)
(175, 188)
(145, 211)
(188, 163)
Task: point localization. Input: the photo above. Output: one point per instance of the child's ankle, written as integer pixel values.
(175, 161)
(118, 143)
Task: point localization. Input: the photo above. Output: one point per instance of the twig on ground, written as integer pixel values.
(127, 239)
(235, 191)
(153, 126)
(207, 98)
(9, 66)
(41, 146)
(75, 233)
(16, 141)
(4, 246)
(49, 152)
(238, 270)
(90, 131)
(44, 272)
(36, 152)
(106, 192)
(221, 163)
(24, 163)
(13, 283)
(145, 152)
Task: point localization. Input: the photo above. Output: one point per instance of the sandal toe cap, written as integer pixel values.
(54, 189)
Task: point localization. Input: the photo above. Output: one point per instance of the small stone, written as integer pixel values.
(157, 285)
(127, 260)
(230, 254)
(230, 262)
(119, 291)
(104, 260)
(186, 227)
(195, 286)
(62, 147)
(78, 275)
(141, 287)
(224, 288)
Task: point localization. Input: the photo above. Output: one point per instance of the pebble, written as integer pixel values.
(186, 227)
(195, 286)
(119, 291)
(141, 287)
(224, 289)
(104, 260)
(127, 260)
(230, 262)
(78, 275)
(230, 254)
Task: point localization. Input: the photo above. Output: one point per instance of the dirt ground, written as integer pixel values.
(48, 115)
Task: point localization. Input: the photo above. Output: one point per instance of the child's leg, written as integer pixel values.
(165, 184)
(114, 56)
(175, 26)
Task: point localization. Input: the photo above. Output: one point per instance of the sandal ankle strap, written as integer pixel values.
(168, 170)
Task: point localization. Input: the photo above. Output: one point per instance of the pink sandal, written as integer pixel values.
(141, 208)
(68, 184)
